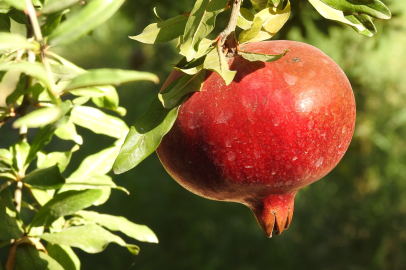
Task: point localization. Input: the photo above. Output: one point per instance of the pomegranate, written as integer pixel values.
(276, 128)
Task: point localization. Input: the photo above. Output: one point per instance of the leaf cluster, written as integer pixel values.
(42, 90)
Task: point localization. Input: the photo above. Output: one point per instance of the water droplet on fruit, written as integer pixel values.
(290, 79)
(249, 167)
(276, 121)
(191, 124)
(231, 156)
(319, 162)
(294, 158)
(228, 143)
(273, 172)
(310, 124)
(344, 129)
(257, 153)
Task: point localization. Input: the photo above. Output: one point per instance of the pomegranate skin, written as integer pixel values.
(276, 128)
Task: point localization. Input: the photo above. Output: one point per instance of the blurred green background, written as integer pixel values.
(354, 218)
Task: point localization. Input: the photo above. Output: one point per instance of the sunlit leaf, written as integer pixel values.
(200, 23)
(216, 61)
(57, 5)
(14, 42)
(39, 118)
(92, 15)
(374, 8)
(163, 31)
(52, 21)
(20, 152)
(45, 178)
(42, 196)
(87, 92)
(63, 204)
(245, 18)
(99, 77)
(29, 258)
(68, 132)
(55, 158)
(366, 21)
(182, 86)
(10, 228)
(94, 181)
(90, 237)
(274, 18)
(64, 255)
(99, 122)
(18, 4)
(4, 7)
(35, 70)
(145, 135)
(114, 223)
(250, 33)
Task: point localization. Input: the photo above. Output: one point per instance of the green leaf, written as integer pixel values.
(45, 178)
(174, 92)
(374, 8)
(88, 92)
(16, 84)
(274, 18)
(216, 61)
(29, 258)
(145, 135)
(259, 5)
(18, 4)
(10, 228)
(63, 204)
(90, 237)
(61, 159)
(35, 70)
(109, 100)
(64, 255)
(113, 223)
(366, 21)
(245, 18)
(19, 16)
(99, 77)
(200, 23)
(5, 23)
(250, 33)
(157, 16)
(51, 6)
(262, 57)
(39, 118)
(99, 122)
(4, 7)
(92, 15)
(163, 31)
(52, 21)
(15, 42)
(68, 132)
(42, 196)
(20, 152)
(6, 156)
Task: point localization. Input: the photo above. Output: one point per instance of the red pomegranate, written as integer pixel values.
(276, 128)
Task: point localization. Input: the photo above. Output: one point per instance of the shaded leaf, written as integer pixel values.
(174, 92)
(144, 136)
(14, 42)
(163, 31)
(200, 23)
(90, 237)
(29, 258)
(64, 255)
(92, 15)
(5, 23)
(114, 223)
(366, 21)
(374, 8)
(10, 228)
(52, 21)
(39, 118)
(63, 204)
(245, 18)
(262, 57)
(98, 77)
(216, 61)
(45, 178)
(99, 122)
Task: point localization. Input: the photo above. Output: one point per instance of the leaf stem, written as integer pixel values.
(6, 184)
(232, 22)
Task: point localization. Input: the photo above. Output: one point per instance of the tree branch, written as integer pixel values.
(232, 22)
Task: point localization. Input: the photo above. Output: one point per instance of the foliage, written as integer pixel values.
(43, 91)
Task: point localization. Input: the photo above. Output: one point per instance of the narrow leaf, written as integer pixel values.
(57, 5)
(64, 255)
(274, 18)
(145, 135)
(95, 181)
(20, 152)
(45, 178)
(366, 21)
(98, 77)
(114, 223)
(245, 18)
(42, 196)
(262, 57)
(29, 258)
(259, 5)
(68, 132)
(15, 42)
(90, 237)
(163, 31)
(5, 22)
(216, 61)
(35, 70)
(10, 228)
(247, 35)
(92, 15)
(18, 4)
(182, 86)
(63, 204)
(374, 8)
(39, 118)
(99, 122)
(61, 159)
(200, 23)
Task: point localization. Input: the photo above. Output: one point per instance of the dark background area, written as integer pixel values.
(354, 218)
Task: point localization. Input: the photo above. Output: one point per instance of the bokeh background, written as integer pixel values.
(354, 218)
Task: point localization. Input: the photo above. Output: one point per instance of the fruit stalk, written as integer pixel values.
(232, 22)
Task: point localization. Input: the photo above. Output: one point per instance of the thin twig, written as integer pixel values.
(6, 184)
(232, 22)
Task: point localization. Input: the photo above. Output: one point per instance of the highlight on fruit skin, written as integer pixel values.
(276, 128)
